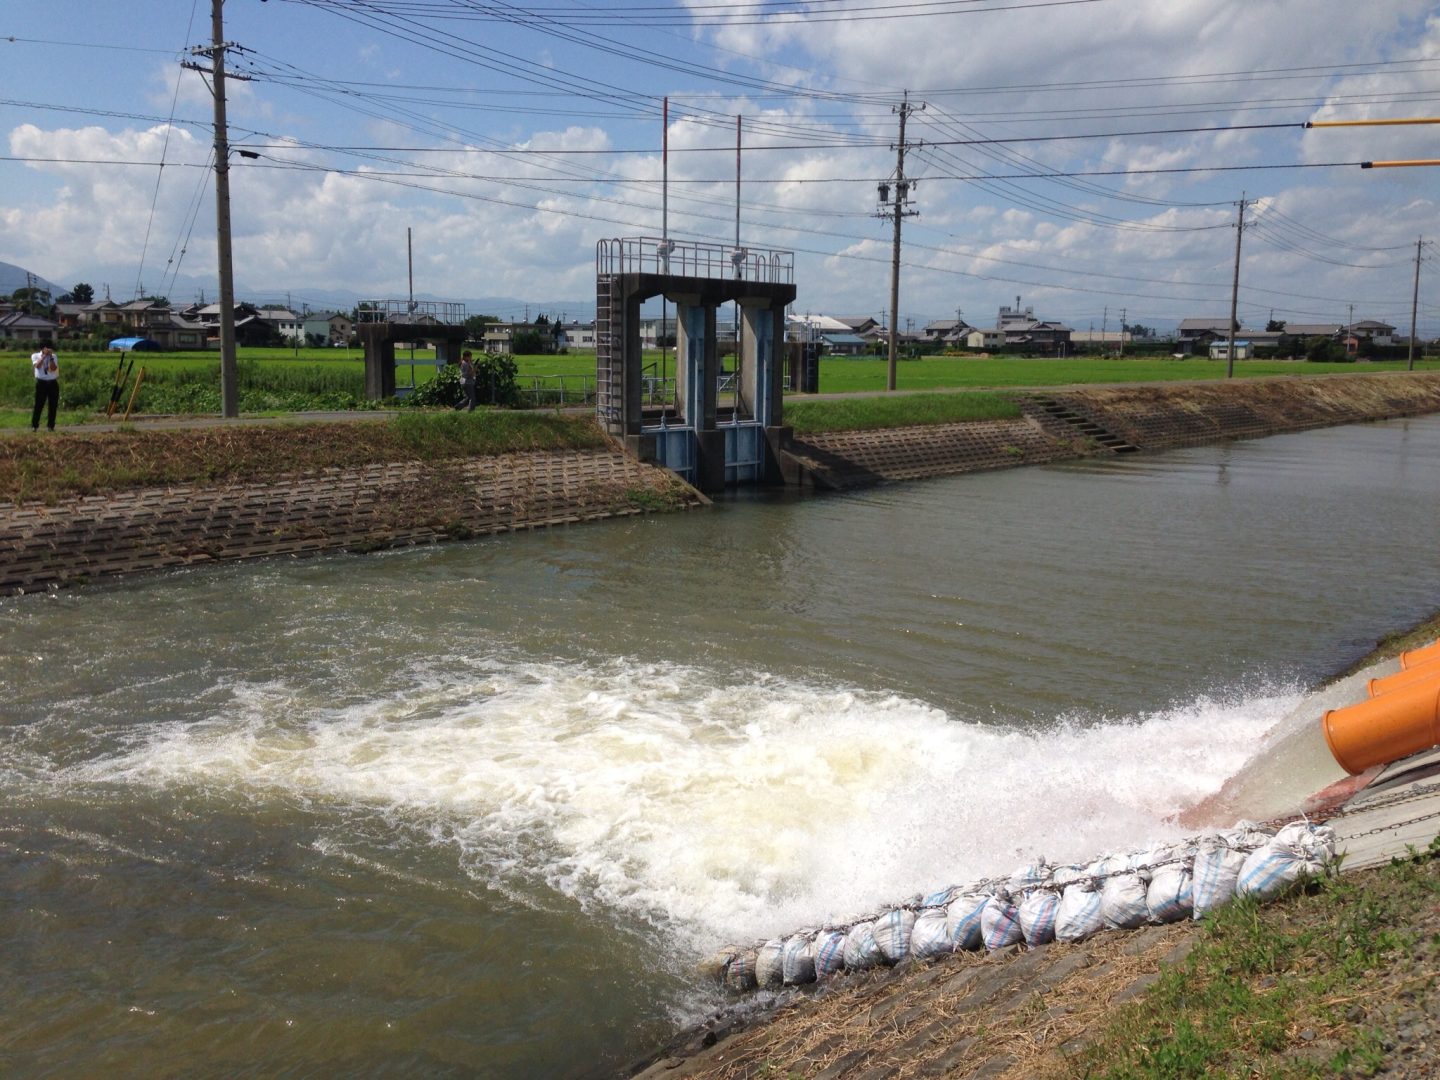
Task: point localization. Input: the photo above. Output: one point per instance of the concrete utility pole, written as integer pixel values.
(229, 384)
(1235, 290)
(898, 213)
(1415, 302)
(1123, 312)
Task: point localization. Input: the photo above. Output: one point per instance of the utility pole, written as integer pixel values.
(229, 383)
(1122, 330)
(1235, 290)
(1415, 302)
(898, 213)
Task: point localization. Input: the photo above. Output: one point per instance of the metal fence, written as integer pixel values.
(410, 311)
(651, 255)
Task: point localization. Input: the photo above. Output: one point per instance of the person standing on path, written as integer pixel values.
(47, 386)
(467, 382)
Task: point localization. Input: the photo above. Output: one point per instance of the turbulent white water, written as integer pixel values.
(718, 809)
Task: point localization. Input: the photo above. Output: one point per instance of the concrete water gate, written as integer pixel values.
(692, 436)
(383, 323)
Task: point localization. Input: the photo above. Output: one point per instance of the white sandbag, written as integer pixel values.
(861, 950)
(1037, 916)
(1122, 901)
(929, 936)
(962, 921)
(798, 959)
(740, 974)
(1299, 850)
(1029, 877)
(1170, 897)
(1000, 922)
(892, 933)
(1067, 875)
(1079, 915)
(1216, 868)
(770, 963)
(940, 897)
(829, 953)
(715, 965)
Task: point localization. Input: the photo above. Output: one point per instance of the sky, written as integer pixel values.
(1088, 157)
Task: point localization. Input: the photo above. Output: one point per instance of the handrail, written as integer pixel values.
(724, 262)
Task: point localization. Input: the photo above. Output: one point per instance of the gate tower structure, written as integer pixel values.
(690, 434)
(382, 323)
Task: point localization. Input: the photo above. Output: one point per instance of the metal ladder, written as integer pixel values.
(609, 346)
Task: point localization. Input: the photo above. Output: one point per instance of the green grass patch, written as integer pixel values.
(846, 375)
(1298, 988)
(48, 468)
(865, 414)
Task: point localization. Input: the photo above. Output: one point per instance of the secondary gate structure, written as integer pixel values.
(691, 435)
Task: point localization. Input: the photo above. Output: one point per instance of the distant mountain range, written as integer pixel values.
(12, 277)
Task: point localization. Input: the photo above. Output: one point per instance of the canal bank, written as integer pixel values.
(83, 539)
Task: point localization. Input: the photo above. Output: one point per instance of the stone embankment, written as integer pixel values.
(1080, 421)
(361, 509)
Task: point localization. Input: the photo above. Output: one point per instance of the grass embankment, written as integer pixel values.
(1308, 987)
(865, 414)
(46, 468)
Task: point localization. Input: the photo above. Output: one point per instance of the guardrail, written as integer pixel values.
(651, 255)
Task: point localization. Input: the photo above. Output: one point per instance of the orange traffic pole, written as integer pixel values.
(1385, 728)
(1373, 123)
(1399, 164)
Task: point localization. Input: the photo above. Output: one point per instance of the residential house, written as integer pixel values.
(1332, 331)
(868, 328)
(1194, 335)
(948, 331)
(1377, 333)
(1270, 341)
(575, 335)
(499, 337)
(285, 322)
(20, 326)
(328, 328)
(984, 339)
(1050, 338)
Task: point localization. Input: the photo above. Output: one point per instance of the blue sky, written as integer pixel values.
(511, 139)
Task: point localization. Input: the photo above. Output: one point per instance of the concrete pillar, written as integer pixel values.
(761, 376)
(379, 367)
(696, 363)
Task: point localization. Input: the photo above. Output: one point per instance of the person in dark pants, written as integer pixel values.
(47, 386)
(467, 382)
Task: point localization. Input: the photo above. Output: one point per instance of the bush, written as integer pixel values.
(1321, 350)
(494, 384)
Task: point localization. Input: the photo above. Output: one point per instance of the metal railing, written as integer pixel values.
(410, 311)
(651, 255)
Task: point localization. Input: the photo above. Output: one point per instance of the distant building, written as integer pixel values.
(328, 328)
(575, 335)
(18, 326)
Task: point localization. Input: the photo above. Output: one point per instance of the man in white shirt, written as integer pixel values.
(47, 385)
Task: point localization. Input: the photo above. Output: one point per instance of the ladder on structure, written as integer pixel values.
(609, 353)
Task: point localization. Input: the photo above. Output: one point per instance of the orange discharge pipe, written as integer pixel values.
(1393, 725)
(1430, 669)
(1420, 656)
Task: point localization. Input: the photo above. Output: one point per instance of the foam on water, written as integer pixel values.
(713, 807)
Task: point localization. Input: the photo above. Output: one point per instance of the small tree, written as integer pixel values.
(82, 294)
(1319, 350)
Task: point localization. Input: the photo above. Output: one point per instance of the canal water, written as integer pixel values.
(476, 809)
